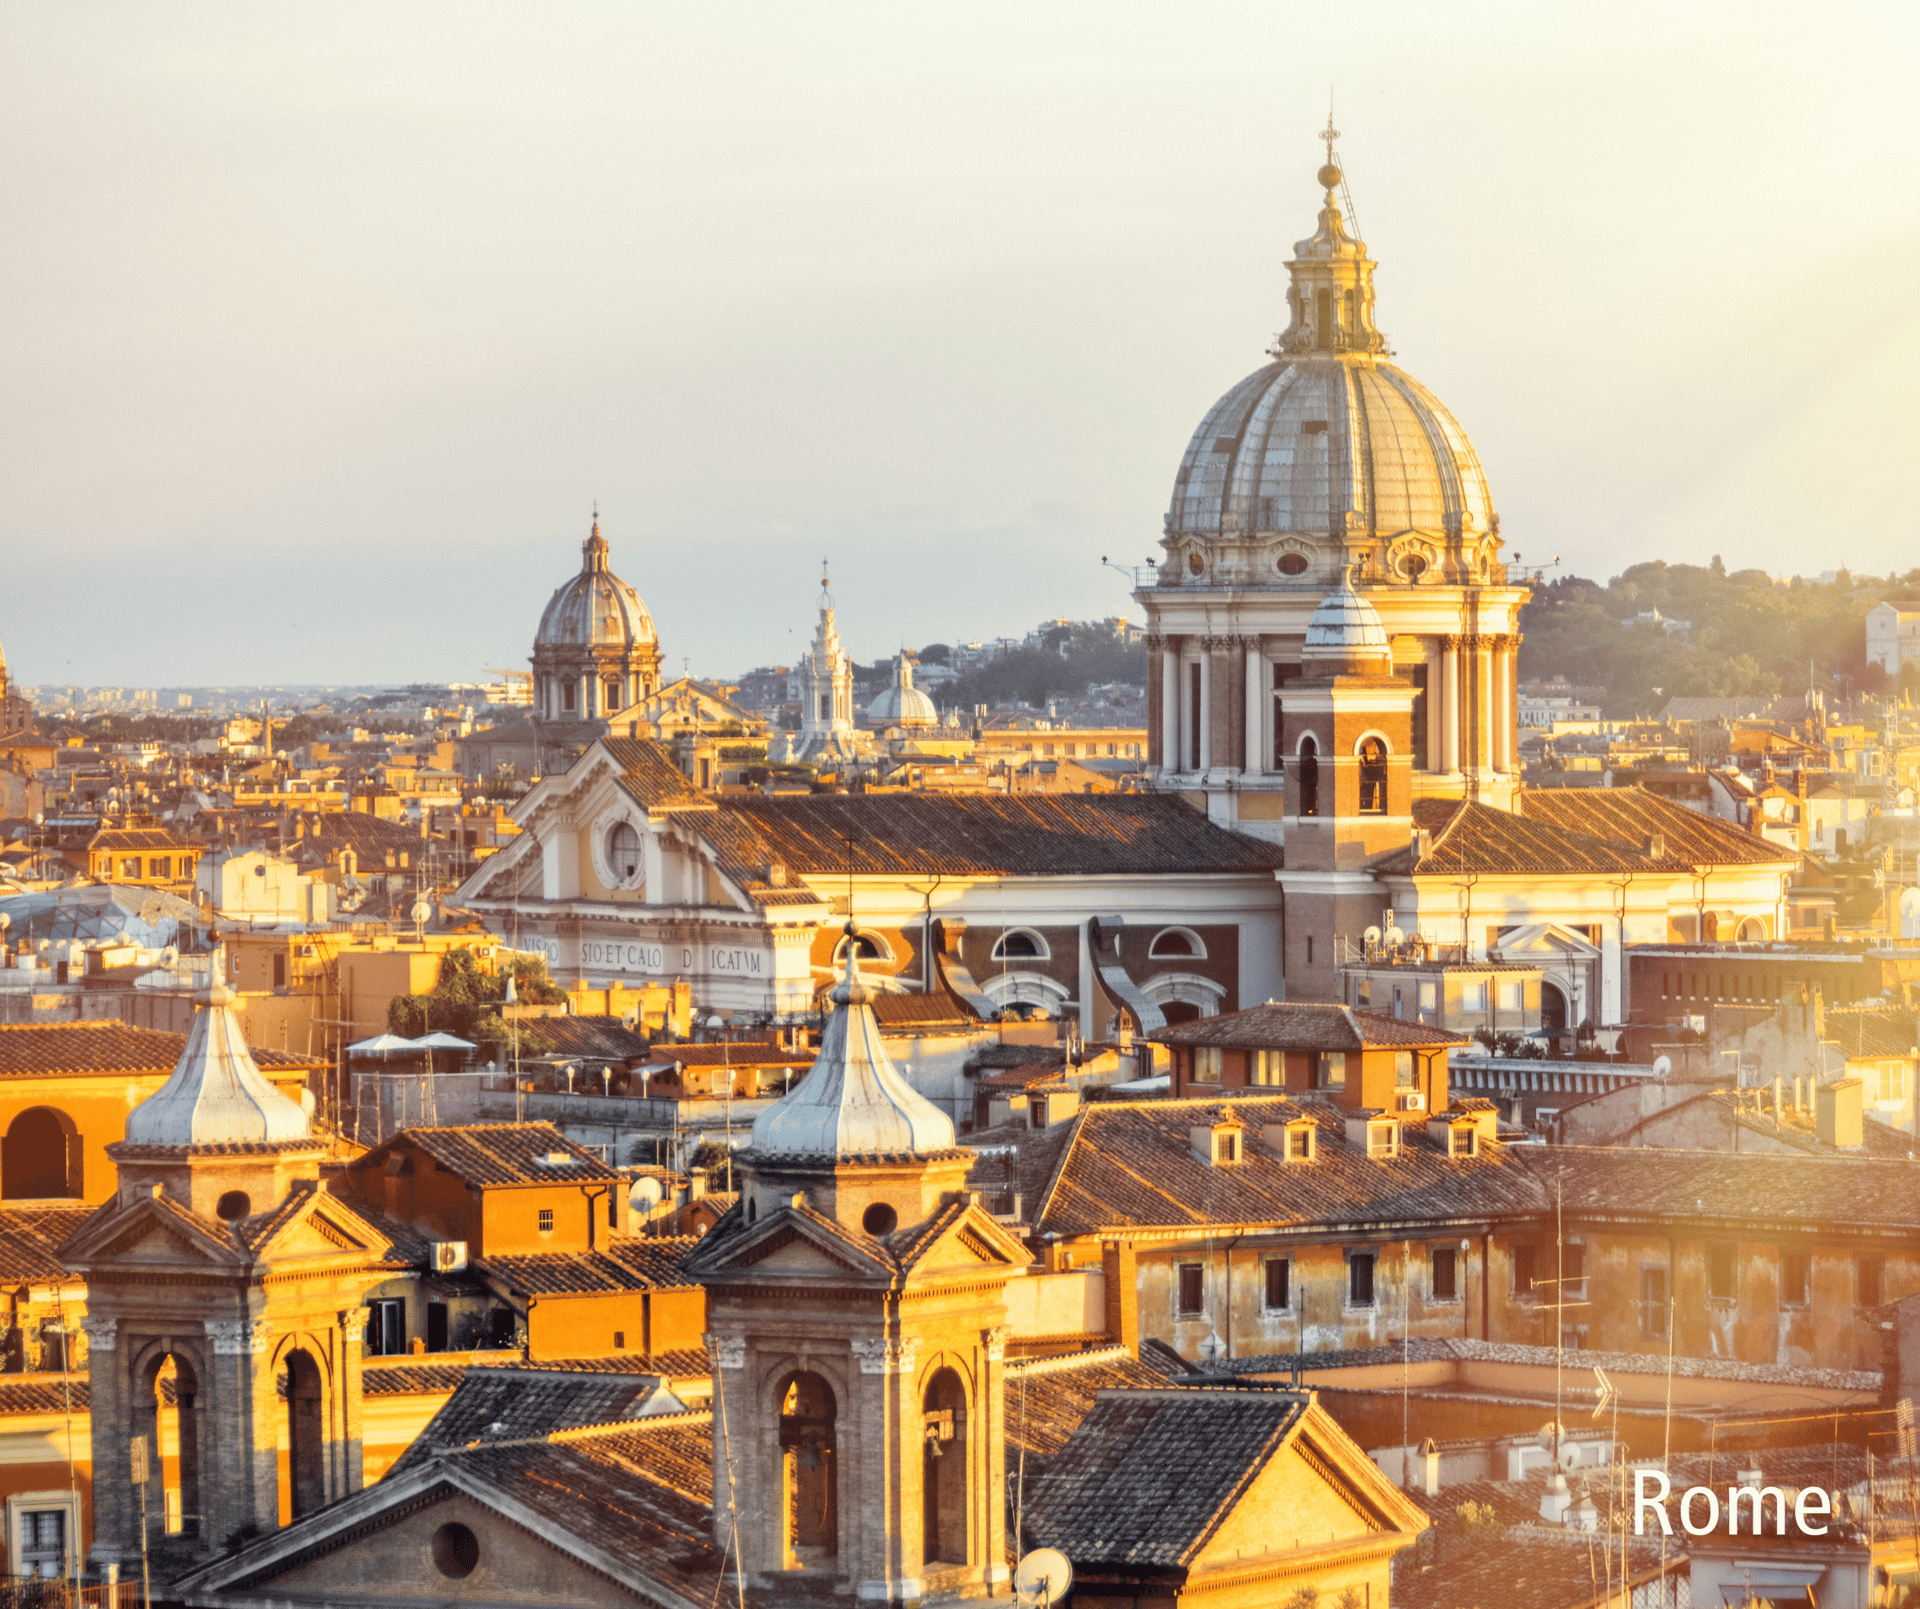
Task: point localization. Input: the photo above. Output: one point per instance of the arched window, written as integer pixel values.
(809, 1516)
(1309, 776)
(865, 946)
(1177, 944)
(164, 1414)
(943, 1478)
(1373, 778)
(1021, 944)
(623, 851)
(41, 1157)
(306, 1435)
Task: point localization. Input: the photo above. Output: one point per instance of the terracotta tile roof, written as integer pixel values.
(602, 1038)
(1012, 1156)
(409, 1377)
(1150, 1475)
(1046, 1072)
(327, 832)
(1048, 1398)
(1546, 1567)
(684, 1363)
(563, 1273)
(658, 1259)
(651, 778)
(56, 1049)
(1867, 1034)
(145, 839)
(30, 1238)
(1131, 1164)
(1471, 837)
(1629, 816)
(484, 1154)
(750, 1054)
(42, 1394)
(1295, 1025)
(902, 1013)
(494, 1405)
(996, 834)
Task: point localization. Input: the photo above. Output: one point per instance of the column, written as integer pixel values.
(1256, 702)
(1502, 702)
(1450, 704)
(1206, 703)
(1170, 758)
(1483, 702)
(1156, 708)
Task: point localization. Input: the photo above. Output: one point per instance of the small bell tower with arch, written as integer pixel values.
(225, 1319)
(858, 1330)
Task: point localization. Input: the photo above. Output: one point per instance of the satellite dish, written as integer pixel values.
(1372, 935)
(1043, 1577)
(421, 910)
(1569, 1454)
(1395, 936)
(1662, 1065)
(645, 1195)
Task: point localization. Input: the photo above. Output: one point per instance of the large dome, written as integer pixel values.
(901, 703)
(1329, 455)
(1308, 443)
(595, 608)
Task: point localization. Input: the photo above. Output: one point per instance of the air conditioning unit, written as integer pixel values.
(1415, 1102)
(449, 1256)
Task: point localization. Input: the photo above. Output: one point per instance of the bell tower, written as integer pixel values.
(858, 1333)
(224, 1292)
(1346, 741)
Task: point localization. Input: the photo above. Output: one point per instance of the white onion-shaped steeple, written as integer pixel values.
(216, 1094)
(853, 1103)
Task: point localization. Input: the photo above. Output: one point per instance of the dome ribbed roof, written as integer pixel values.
(903, 704)
(1346, 627)
(1307, 441)
(215, 1094)
(596, 606)
(853, 1101)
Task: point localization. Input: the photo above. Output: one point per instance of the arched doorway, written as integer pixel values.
(40, 1157)
(306, 1435)
(1179, 1011)
(809, 1472)
(164, 1412)
(1553, 1008)
(943, 1474)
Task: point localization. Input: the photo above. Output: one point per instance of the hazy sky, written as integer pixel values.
(323, 326)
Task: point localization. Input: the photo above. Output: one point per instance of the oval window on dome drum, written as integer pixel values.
(1413, 566)
(1292, 564)
(623, 851)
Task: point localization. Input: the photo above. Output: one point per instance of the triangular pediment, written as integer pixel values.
(972, 1240)
(315, 1224)
(795, 1241)
(151, 1230)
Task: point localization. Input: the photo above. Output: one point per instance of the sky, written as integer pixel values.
(325, 327)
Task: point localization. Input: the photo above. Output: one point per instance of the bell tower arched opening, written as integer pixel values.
(306, 1435)
(943, 1470)
(164, 1412)
(1309, 776)
(809, 1472)
(41, 1157)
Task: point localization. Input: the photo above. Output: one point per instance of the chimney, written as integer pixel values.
(1430, 1467)
(1656, 846)
(1555, 1500)
(1422, 844)
(1838, 1118)
(1123, 1294)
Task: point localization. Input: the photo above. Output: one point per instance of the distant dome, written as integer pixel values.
(595, 608)
(903, 704)
(216, 1094)
(853, 1101)
(1347, 628)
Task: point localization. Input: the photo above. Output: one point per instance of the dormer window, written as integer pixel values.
(1463, 1139)
(1226, 1146)
(1383, 1138)
(1301, 1141)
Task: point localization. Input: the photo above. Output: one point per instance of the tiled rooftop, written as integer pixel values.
(29, 1237)
(1149, 1475)
(493, 1405)
(1300, 1026)
(485, 1154)
(56, 1049)
(1629, 816)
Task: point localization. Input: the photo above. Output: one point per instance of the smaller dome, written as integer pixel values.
(216, 1094)
(595, 608)
(853, 1101)
(1346, 627)
(903, 704)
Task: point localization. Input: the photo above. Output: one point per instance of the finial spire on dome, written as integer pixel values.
(1331, 294)
(594, 551)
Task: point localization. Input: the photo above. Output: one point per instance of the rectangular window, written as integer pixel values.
(1332, 1070)
(1206, 1064)
(1446, 1274)
(1300, 1143)
(1463, 1139)
(1573, 1271)
(546, 1220)
(1190, 1290)
(43, 1543)
(1193, 717)
(1279, 1284)
(130, 868)
(279, 972)
(386, 1327)
(1363, 991)
(1721, 1274)
(1796, 1278)
(1513, 996)
(619, 1340)
(1403, 1069)
(1653, 1303)
(1269, 1068)
(1473, 997)
(1427, 996)
(1309, 949)
(1523, 1270)
(1398, 1007)
(1360, 1279)
(160, 866)
(1866, 1274)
